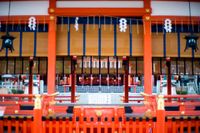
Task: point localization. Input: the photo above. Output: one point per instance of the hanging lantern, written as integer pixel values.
(7, 42)
(191, 42)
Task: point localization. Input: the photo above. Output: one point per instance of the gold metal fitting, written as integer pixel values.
(160, 102)
(147, 10)
(38, 101)
(52, 17)
(52, 102)
(98, 113)
(50, 112)
(16, 111)
(182, 112)
(148, 113)
(182, 103)
(147, 17)
(51, 10)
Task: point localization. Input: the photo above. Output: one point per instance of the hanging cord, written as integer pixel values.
(190, 17)
(8, 16)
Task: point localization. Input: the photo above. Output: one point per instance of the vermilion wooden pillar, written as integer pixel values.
(126, 68)
(51, 55)
(147, 55)
(73, 78)
(168, 64)
(30, 85)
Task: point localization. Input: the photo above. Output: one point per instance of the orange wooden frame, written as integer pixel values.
(144, 12)
(100, 11)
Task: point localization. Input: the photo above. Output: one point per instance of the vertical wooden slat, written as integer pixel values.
(63, 126)
(154, 126)
(148, 126)
(127, 126)
(189, 125)
(106, 127)
(24, 125)
(29, 124)
(140, 126)
(44, 123)
(70, 126)
(9, 125)
(77, 127)
(134, 126)
(50, 126)
(181, 126)
(16, 125)
(196, 126)
(167, 125)
(84, 127)
(57, 126)
(1, 124)
(91, 126)
(173, 126)
(120, 127)
(99, 127)
(113, 127)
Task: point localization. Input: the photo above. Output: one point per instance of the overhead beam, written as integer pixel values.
(23, 19)
(100, 11)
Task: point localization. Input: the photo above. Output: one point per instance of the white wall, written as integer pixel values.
(24, 8)
(125, 4)
(173, 8)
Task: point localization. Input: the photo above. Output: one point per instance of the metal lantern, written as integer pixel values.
(191, 42)
(7, 42)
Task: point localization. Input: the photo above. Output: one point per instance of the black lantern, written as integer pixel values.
(7, 42)
(191, 40)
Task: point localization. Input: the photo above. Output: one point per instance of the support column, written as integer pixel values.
(51, 55)
(30, 84)
(73, 78)
(126, 100)
(147, 55)
(126, 72)
(37, 114)
(160, 114)
(168, 64)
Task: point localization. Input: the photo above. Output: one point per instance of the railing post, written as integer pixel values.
(37, 115)
(160, 114)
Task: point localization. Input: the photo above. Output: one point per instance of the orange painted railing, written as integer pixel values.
(129, 125)
(176, 104)
(14, 103)
(21, 124)
(106, 119)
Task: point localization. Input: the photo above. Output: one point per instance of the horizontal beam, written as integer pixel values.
(23, 19)
(100, 11)
(175, 19)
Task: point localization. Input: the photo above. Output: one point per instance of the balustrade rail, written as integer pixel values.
(168, 114)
